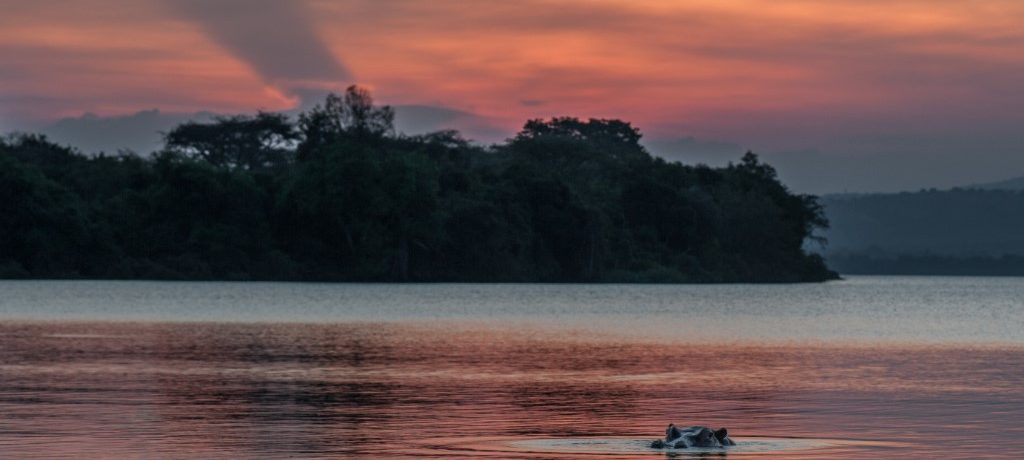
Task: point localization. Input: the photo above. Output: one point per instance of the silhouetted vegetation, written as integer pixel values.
(338, 195)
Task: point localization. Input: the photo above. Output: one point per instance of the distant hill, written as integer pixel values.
(969, 231)
(958, 223)
(1016, 183)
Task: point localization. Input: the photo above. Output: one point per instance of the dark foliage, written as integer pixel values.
(252, 143)
(339, 196)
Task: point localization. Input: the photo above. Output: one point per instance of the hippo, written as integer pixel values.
(693, 436)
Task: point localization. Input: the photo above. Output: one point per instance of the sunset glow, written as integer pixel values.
(790, 74)
(512, 229)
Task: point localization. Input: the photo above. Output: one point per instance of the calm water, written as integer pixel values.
(864, 368)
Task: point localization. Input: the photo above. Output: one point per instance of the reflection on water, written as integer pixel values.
(749, 445)
(915, 309)
(414, 389)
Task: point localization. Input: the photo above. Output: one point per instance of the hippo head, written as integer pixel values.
(704, 437)
(696, 436)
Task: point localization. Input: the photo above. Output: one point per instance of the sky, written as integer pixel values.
(839, 95)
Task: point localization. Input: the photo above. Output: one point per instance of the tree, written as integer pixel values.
(614, 139)
(237, 142)
(350, 116)
(752, 165)
(600, 131)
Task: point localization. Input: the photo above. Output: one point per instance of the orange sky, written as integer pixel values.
(738, 70)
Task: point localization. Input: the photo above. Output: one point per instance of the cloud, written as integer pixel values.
(908, 94)
(276, 38)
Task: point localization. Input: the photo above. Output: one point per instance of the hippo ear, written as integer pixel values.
(672, 432)
(721, 433)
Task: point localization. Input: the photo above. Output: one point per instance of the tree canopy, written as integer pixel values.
(242, 142)
(339, 195)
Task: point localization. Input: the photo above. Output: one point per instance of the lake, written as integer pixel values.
(867, 367)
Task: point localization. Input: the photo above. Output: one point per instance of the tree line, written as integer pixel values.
(338, 195)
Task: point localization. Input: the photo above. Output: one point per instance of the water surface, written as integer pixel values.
(863, 368)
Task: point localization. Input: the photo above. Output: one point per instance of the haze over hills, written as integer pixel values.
(1016, 183)
(976, 230)
(954, 222)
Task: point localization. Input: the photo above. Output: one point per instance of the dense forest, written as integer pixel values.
(338, 195)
